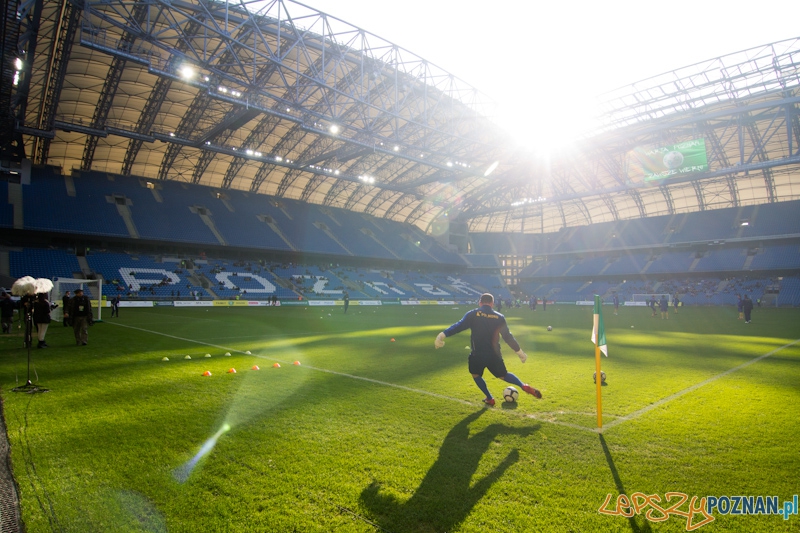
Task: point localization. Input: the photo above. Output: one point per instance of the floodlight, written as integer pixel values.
(334, 129)
(187, 72)
(491, 169)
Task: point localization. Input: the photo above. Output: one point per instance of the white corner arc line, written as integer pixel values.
(662, 401)
(532, 416)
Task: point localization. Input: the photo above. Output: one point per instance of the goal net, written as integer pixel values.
(93, 288)
(646, 297)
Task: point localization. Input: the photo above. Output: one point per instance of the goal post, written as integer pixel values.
(93, 288)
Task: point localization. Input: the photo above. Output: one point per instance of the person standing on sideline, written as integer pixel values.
(346, 299)
(7, 306)
(115, 306)
(740, 306)
(747, 308)
(653, 305)
(664, 305)
(41, 317)
(81, 313)
(65, 307)
(675, 303)
(616, 303)
(487, 326)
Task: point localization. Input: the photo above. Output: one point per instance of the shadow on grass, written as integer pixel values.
(620, 487)
(445, 496)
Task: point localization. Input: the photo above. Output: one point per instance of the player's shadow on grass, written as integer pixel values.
(446, 495)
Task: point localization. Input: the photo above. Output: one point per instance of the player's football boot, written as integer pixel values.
(489, 401)
(530, 390)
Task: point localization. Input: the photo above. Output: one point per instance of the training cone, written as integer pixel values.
(248, 352)
(208, 355)
(255, 367)
(188, 357)
(165, 358)
(207, 373)
(296, 363)
(276, 365)
(392, 339)
(232, 371)
(227, 354)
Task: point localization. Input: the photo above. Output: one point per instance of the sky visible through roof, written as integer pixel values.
(543, 62)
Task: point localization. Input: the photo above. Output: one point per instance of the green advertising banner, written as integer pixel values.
(672, 161)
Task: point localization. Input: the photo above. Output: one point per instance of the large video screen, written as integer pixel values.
(676, 160)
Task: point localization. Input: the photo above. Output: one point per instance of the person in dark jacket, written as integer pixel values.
(80, 310)
(41, 317)
(487, 326)
(7, 306)
(747, 308)
(65, 307)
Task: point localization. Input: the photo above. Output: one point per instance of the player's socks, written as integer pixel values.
(511, 378)
(481, 383)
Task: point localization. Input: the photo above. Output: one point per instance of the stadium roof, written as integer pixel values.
(280, 99)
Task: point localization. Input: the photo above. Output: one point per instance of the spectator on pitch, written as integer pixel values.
(616, 303)
(664, 305)
(41, 317)
(740, 306)
(346, 299)
(747, 308)
(675, 303)
(653, 305)
(7, 306)
(115, 306)
(81, 313)
(487, 326)
(65, 307)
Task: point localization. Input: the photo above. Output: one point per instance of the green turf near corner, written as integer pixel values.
(373, 435)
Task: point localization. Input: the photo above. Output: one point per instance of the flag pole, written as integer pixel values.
(598, 376)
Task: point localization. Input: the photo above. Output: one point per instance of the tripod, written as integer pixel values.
(27, 308)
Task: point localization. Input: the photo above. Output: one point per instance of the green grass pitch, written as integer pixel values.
(370, 435)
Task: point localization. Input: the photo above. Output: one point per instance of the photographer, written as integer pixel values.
(41, 316)
(80, 311)
(7, 306)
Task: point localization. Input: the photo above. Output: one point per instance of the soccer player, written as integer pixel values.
(346, 299)
(675, 303)
(664, 305)
(747, 308)
(740, 306)
(653, 305)
(616, 303)
(487, 326)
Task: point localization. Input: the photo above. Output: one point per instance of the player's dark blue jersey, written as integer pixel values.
(487, 327)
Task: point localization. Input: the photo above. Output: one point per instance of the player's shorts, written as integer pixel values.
(493, 363)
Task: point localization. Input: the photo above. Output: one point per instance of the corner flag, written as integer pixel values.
(599, 341)
(598, 331)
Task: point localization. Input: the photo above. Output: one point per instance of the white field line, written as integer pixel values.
(659, 403)
(538, 417)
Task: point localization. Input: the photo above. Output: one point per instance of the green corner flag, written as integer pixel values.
(598, 331)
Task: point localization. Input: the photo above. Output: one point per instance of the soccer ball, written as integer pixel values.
(510, 394)
(602, 377)
(549, 328)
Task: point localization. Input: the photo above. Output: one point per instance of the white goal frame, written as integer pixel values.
(60, 285)
(646, 297)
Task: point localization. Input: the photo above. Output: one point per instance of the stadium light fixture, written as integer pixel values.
(187, 72)
(334, 129)
(449, 163)
(18, 64)
(491, 169)
(396, 148)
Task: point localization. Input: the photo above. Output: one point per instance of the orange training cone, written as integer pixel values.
(276, 365)
(207, 373)
(232, 371)
(255, 367)
(392, 339)
(296, 363)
